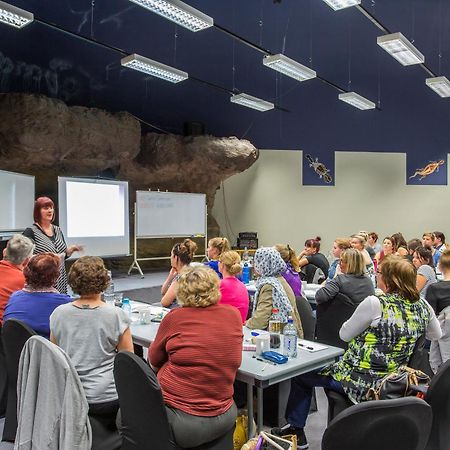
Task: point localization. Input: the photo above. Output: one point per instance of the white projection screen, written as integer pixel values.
(17, 200)
(94, 213)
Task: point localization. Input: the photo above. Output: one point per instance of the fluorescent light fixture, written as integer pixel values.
(440, 85)
(289, 67)
(401, 49)
(356, 100)
(16, 17)
(178, 12)
(341, 4)
(153, 68)
(251, 102)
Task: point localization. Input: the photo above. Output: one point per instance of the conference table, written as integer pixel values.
(253, 372)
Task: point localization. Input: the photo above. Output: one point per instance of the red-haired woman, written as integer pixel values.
(37, 300)
(49, 238)
(310, 255)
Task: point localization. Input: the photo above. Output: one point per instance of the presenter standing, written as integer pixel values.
(49, 238)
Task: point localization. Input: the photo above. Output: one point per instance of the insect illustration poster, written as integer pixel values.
(318, 169)
(426, 169)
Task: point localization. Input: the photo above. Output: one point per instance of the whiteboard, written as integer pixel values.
(16, 200)
(165, 214)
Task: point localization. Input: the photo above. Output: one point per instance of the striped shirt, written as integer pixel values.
(198, 352)
(52, 244)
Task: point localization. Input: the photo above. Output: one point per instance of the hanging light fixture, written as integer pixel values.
(440, 85)
(341, 4)
(251, 102)
(178, 12)
(356, 100)
(16, 17)
(153, 68)
(401, 49)
(289, 67)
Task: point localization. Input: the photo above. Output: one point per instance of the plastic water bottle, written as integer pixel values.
(108, 295)
(246, 273)
(126, 306)
(290, 339)
(274, 329)
(245, 255)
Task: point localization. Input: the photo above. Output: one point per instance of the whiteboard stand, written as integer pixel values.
(192, 208)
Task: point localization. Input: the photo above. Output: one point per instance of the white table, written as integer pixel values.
(253, 372)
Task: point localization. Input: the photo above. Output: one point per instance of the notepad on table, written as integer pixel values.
(311, 346)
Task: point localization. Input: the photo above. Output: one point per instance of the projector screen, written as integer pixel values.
(17, 200)
(94, 213)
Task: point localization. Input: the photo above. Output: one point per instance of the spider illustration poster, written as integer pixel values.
(317, 170)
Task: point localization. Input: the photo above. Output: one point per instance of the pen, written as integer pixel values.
(305, 346)
(264, 360)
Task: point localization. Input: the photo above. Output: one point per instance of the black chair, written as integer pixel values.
(400, 424)
(15, 334)
(438, 396)
(309, 273)
(307, 317)
(105, 435)
(329, 318)
(143, 414)
(3, 378)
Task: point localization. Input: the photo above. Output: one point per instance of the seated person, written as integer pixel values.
(359, 242)
(180, 256)
(379, 343)
(16, 255)
(291, 274)
(232, 291)
(216, 246)
(372, 239)
(411, 246)
(339, 245)
(352, 282)
(438, 296)
(388, 249)
(400, 244)
(91, 332)
(35, 303)
(197, 352)
(426, 276)
(272, 291)
(311, 255)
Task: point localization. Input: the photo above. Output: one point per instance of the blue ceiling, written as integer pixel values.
(340, 46)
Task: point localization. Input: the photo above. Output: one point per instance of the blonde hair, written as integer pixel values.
(343, 243)
(220, 243)
(399, 276)
(288, 255)
(444, 260)
(354, 260)
(198, 287)
(232, 262)
(361, 238)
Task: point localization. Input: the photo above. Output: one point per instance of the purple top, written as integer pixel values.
(293, 279)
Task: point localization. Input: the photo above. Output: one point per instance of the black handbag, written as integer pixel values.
(403, 383)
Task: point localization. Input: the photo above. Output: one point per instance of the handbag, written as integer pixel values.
(266, 441)
(405, 382)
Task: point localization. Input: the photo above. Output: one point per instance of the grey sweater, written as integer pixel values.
(356, 287)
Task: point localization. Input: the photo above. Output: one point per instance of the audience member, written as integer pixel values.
(91, 332)
(423, 262)
(428, 240)
(368, 248)
(216, 246)
(400, 244)
(35, 303)
(439, 246)
(381, 333)
(352, 282)
(232, 291)
(411, 246)
(291, 274)
(372, 241)
(339, 245)
(180, 256)
(16, 255)
(311, 255)
(197, 352)
(438, 296)
(272, 291)
(359, 242)
(388, 249)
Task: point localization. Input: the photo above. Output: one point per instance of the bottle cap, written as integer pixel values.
(126, 300)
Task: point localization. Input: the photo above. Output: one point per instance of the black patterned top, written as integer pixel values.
(53, 244)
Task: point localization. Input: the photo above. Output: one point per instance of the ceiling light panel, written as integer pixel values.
(401, 49)
(289, 67)
(356, 100)
(341, 4)
(153, 68)
(16, 17)
(251, 102)
(440, 85)
(178, 12)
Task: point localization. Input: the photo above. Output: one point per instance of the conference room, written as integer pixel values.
(290, 119)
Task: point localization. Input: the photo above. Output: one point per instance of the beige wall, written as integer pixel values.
(370, 194)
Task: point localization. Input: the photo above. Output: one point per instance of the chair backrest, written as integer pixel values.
(307, 317)
(14, 334)
(415, 360)
(329, 318)
(319, 276)
(144, 418)
(308, 272)
(400, 424)
(438, 396)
